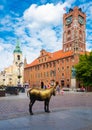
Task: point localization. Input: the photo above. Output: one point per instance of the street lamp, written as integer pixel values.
(4, 72)
(19, 72)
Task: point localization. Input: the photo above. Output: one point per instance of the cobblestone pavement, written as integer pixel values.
(70, 111)
(16, 106)
(70, 119)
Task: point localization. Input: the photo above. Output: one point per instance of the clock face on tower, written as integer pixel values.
(68, 20)
(80, 19)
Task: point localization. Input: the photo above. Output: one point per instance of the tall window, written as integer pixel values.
(18, 57)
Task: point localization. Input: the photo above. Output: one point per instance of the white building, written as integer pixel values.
(13, 75)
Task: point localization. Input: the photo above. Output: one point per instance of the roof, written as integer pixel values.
(52, 57)
(17, 48)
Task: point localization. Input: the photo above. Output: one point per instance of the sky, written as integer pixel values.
(37, 25)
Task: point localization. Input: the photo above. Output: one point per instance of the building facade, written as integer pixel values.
(13, 75)
(57, 66)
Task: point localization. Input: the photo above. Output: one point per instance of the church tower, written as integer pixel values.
(74, 30)
(18, 63)
(17, 54)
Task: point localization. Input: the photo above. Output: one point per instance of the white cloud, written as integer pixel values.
(36, 28)
(89, 46)
(44, 15)
(5, 54)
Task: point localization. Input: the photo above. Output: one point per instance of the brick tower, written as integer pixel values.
(74, 30)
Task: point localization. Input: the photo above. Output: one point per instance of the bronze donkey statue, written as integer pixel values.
(40, 95)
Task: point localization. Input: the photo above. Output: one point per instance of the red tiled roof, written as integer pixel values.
(60, 54)
(53, 56)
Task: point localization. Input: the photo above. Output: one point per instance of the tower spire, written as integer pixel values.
(17, 48)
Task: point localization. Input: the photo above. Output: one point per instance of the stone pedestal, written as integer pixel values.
(73, 83)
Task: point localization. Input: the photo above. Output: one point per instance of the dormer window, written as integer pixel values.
(42, 52)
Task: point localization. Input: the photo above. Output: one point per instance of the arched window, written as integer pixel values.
(18, 57)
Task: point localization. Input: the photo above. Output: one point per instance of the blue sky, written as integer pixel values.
(37, 25)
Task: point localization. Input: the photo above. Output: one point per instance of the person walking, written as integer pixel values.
(58, 88)
(42, 85)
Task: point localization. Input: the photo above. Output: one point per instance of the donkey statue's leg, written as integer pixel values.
(30, 106)
(46, 105)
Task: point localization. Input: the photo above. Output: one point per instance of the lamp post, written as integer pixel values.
(19, 71)
(4, 77)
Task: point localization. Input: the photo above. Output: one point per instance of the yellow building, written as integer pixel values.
(13, 75)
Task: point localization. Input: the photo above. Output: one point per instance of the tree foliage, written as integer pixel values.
(84, 69)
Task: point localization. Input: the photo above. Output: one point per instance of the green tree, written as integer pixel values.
(84, 70)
